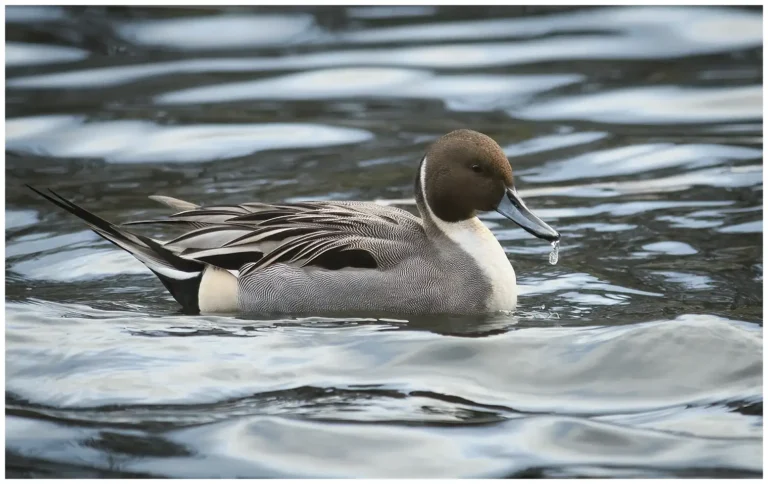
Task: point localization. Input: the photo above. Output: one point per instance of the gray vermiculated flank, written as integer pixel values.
(415, 274)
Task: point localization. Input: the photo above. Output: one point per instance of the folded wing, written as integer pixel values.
(252, 236)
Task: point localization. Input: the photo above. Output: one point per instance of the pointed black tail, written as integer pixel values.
(180, 276)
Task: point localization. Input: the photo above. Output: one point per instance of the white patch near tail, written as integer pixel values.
(218, 291)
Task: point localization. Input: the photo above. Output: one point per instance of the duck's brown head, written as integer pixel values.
(465, 172)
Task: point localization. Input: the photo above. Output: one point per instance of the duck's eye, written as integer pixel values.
(477, 168)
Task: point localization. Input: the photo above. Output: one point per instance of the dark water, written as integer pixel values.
(636, 132)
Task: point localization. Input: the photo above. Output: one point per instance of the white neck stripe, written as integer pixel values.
(423, 182)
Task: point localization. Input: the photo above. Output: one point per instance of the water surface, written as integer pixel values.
(636, 132)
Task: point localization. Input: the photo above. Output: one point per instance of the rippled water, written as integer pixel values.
(636, 132)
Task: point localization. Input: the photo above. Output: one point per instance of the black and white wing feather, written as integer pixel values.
(252, 236)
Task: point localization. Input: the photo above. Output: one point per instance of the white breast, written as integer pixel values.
(478, 242)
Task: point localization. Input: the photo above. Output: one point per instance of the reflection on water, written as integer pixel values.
(461, 92)
(636, 132)
(143, 141)
(662, 105)
(18, 54)
(218, 32)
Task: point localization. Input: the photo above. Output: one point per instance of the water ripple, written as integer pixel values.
(144, 141)
(656, 105)
(219, 32)
(20, 54)
(460, 90)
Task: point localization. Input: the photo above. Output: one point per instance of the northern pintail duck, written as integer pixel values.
(322, 257)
